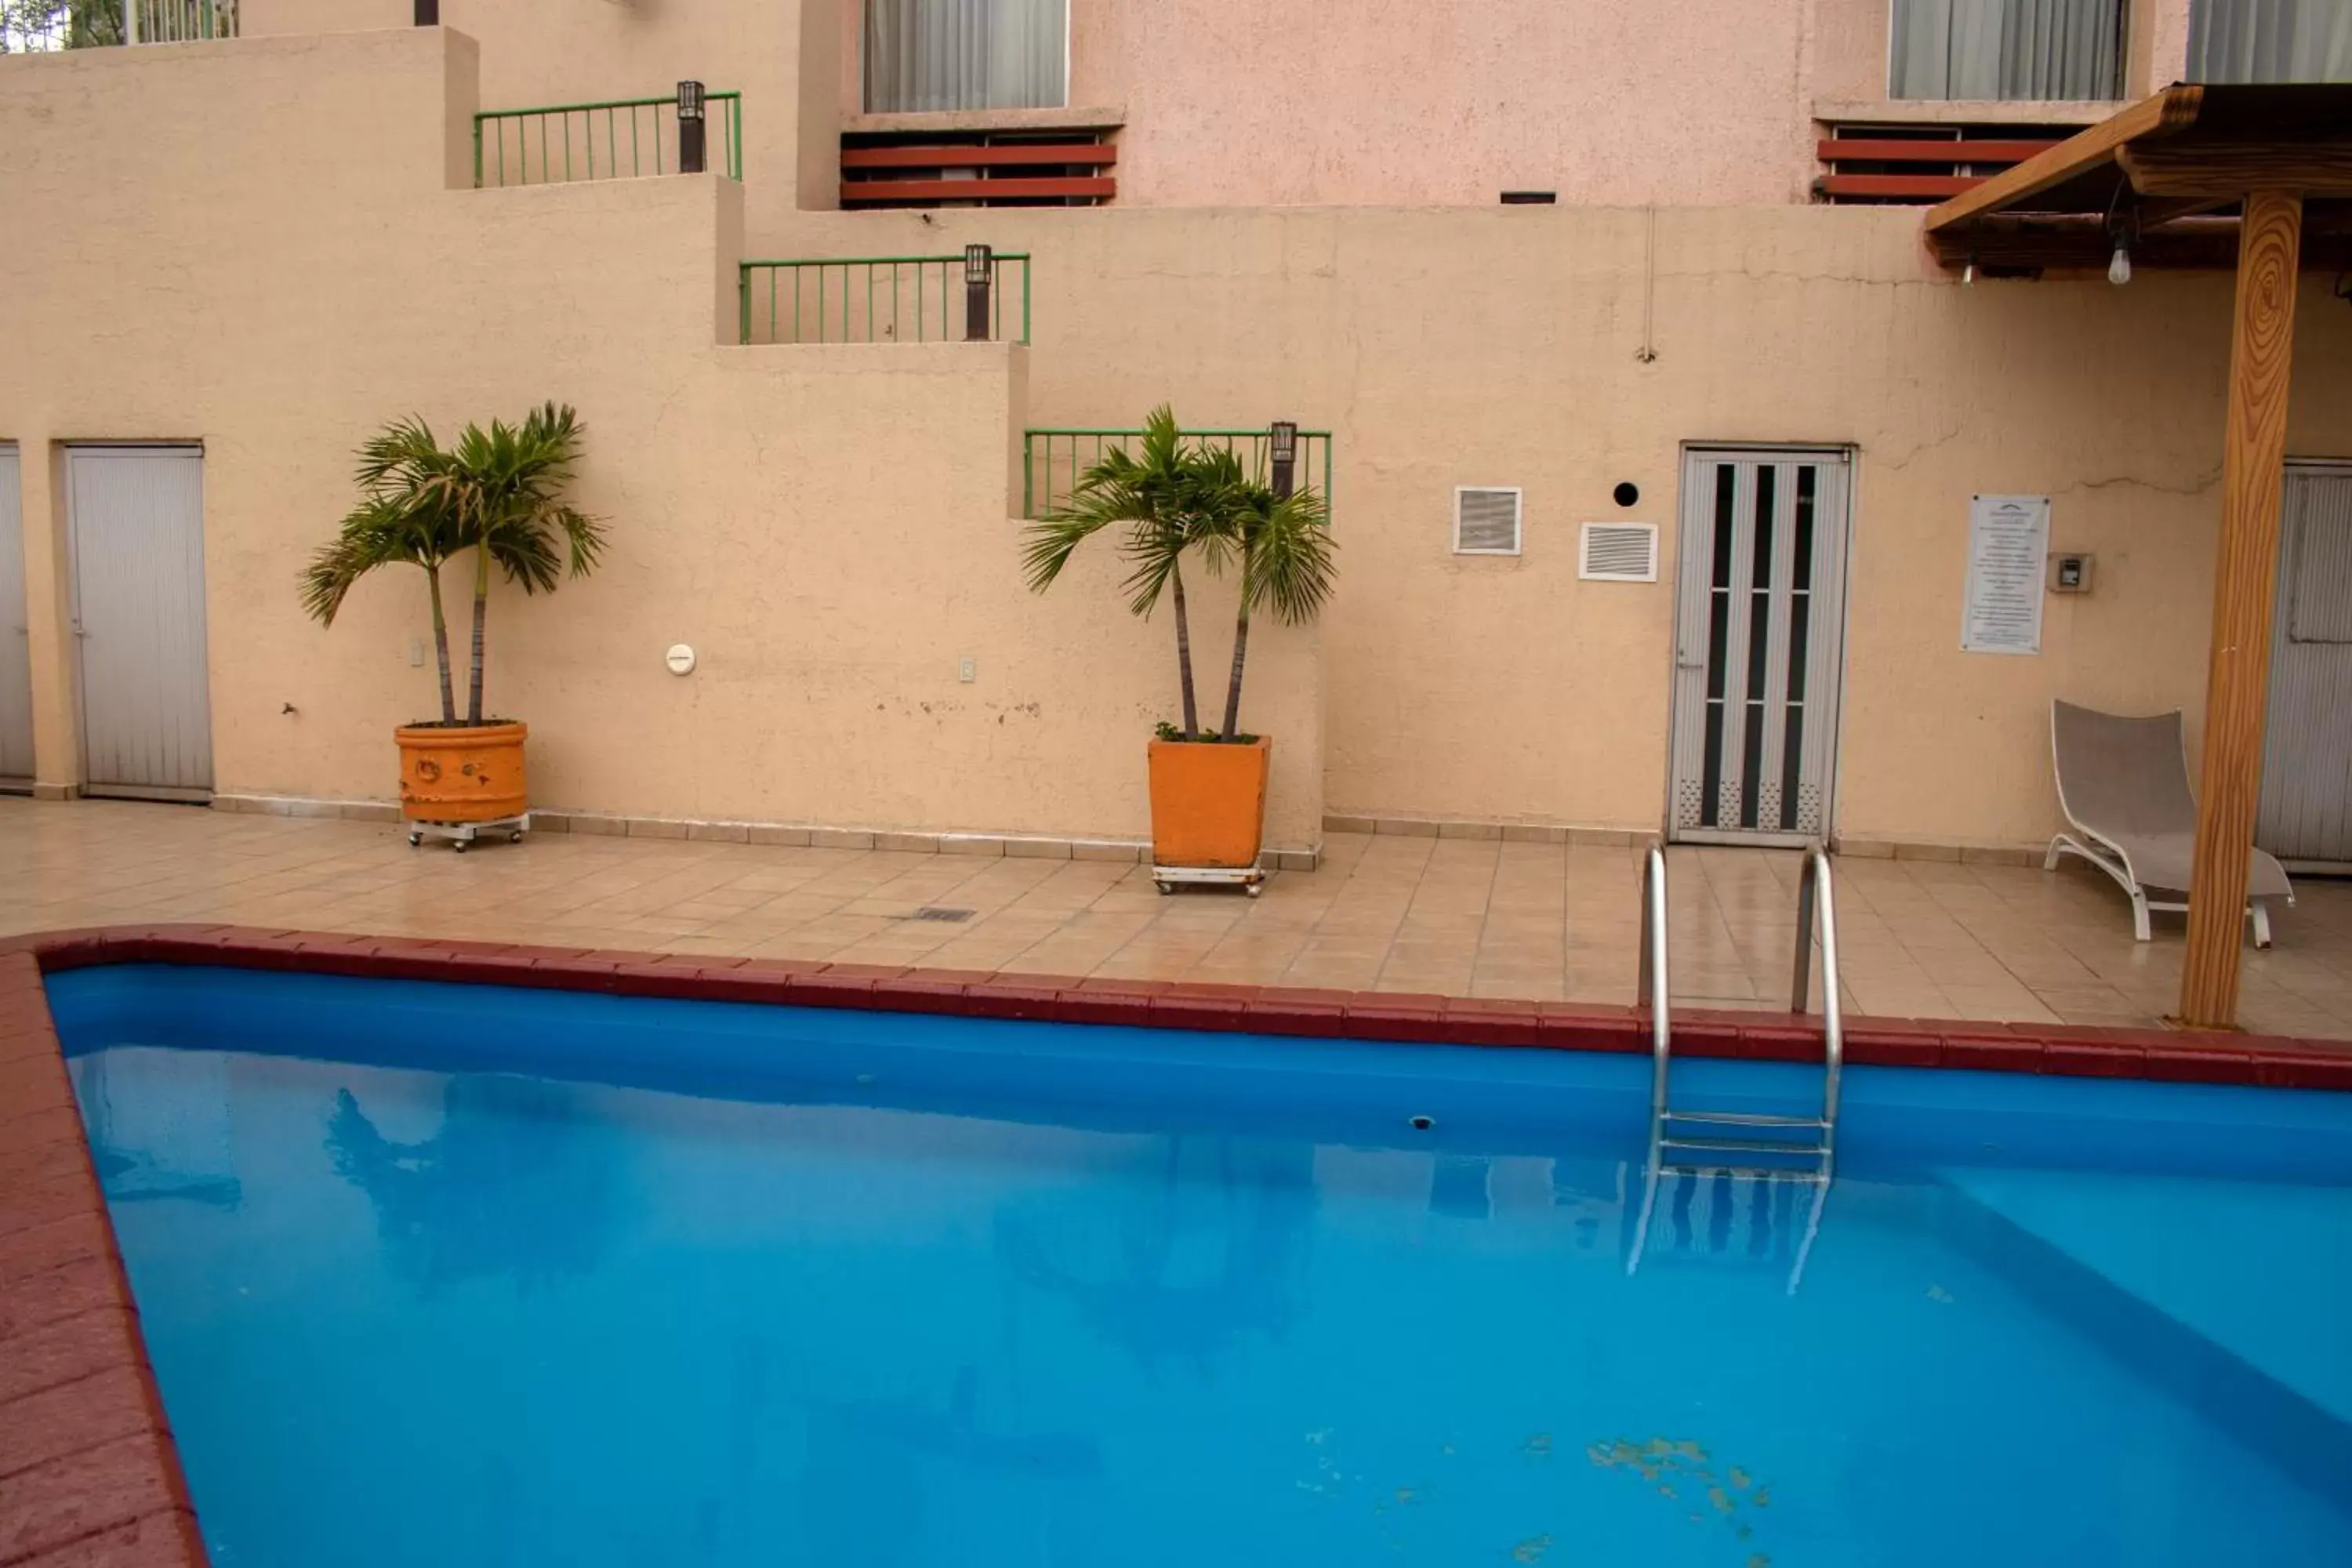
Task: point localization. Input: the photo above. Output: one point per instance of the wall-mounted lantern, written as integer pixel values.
(979, 271)
(691, 129)
(1281, 442)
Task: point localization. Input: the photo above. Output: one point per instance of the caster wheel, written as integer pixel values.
(515, 837)
(459, 847)
(415, 839)
(1253, 889)
(1165, 887)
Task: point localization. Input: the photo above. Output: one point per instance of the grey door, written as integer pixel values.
(1760, 627)
(137, 520)
(16, 645)
(2305, 814)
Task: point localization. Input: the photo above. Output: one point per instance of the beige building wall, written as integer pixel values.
(828, 527)
(1501, 347)
(1443, 346)
(781, 57)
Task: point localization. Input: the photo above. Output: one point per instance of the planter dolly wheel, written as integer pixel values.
(1253, 888)
(515, 837)
(416, 840)
(1166, 887)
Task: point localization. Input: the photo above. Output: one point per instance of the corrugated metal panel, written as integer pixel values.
(2306, 811)
(1761, 617)
(137, 517)
(16, 644)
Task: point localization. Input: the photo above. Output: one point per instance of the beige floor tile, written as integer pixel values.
(1457, 916)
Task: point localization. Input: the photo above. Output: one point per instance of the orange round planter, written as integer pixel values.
(1208, 802)
(462, 775)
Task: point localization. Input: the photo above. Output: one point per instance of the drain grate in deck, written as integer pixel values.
(935, 912)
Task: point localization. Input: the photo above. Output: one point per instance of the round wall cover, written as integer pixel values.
(680, 658)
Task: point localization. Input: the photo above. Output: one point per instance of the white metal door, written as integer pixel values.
(137, 520)
(2306, 813)
(16, 643)
(1760, 627)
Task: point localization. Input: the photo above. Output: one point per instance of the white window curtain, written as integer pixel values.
(2270, 40)
(2003, 49)
(965, 54)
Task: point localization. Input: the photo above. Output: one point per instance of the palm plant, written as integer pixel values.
(499, 492)
(1286, 548)
(1174, 499)
(1158, 499)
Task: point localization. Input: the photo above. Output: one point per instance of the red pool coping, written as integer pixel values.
(88, 1475)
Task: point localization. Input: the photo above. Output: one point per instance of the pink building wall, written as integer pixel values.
(1406, 102)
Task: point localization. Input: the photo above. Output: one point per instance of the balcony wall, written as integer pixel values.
(830, 528)
(1447, 347)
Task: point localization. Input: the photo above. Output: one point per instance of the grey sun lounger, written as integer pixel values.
(2123, 786)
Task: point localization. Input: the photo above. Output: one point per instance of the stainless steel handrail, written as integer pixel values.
(1650, 987)
(1815, 896)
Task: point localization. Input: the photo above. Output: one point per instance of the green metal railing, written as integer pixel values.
(871, 299)
(1053, 460)
(614, 141)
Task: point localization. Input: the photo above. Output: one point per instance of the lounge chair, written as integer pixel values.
(2124, 786)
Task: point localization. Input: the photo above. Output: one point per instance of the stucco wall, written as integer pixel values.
(1444, 346)
(781, 57)
(829, 526)
(1449, 347)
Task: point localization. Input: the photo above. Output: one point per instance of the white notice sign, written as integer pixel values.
(2009, 538)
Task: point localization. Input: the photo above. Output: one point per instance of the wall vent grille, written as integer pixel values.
(1485, 521)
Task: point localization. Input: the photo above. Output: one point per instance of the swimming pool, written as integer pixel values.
(469, 1276)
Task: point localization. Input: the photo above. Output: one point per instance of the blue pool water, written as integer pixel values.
(457, 1276)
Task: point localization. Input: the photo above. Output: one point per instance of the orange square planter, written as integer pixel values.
(1208, 802)
(461, 774)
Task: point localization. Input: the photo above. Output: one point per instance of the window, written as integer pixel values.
(966, 53)
(1982, 50)
(2270, 40)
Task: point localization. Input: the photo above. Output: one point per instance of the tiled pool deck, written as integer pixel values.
(1547, 922)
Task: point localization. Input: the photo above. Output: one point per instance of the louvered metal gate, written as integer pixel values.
(16, 644)
(2305, 814)
(1758, 632)
(136, 515)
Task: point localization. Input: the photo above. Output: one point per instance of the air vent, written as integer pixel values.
(1619, 552)
(1485, 521)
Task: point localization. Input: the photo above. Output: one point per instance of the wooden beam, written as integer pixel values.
(934, 156)
(1898, 187)
(2245, 581)
(977, 190)
(2231, 169)
(1867, 150)
(2173, 109)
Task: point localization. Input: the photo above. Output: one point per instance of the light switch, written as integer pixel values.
(967, 669)
(416, 652)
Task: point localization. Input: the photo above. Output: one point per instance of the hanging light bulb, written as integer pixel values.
(2119, 269)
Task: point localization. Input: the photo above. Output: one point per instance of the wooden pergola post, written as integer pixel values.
(2245, 584)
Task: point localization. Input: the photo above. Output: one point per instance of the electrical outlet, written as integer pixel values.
(416, 652)
(967, 669)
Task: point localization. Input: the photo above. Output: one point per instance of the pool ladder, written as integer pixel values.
(1732, 1145)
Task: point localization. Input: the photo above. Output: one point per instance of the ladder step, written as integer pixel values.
(1743, 1146)
(1757, 1173)
(1743, 1119)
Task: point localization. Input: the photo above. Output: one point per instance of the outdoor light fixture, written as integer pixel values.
(979, 268)
(2122, 227)
(691, 128)
(1282, 445)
